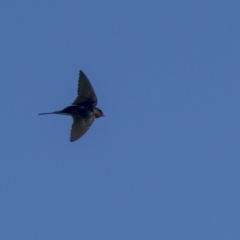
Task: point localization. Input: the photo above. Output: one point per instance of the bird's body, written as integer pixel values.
(83, 109)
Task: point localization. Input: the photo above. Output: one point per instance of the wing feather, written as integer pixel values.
(80, 126)
(85, 90)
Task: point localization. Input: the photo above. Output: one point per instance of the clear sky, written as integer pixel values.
(163, 163)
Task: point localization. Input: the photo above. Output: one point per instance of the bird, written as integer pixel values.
(83, 110)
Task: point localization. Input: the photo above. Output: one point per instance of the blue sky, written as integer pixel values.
(163, 163)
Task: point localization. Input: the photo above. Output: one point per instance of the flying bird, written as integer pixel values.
(83, 110)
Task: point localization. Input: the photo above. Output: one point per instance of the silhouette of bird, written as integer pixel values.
(83, 110)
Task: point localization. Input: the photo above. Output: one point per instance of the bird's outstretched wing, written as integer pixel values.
(85, 91)
(80, 126)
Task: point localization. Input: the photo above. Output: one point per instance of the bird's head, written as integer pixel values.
(98, 113)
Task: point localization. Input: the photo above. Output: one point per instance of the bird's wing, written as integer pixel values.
(80, 126)
(85, 90)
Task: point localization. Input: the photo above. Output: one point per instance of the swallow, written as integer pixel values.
(83, 110)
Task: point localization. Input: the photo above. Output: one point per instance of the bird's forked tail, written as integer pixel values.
(56, 112)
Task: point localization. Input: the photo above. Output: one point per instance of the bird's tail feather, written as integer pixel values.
(56, 112)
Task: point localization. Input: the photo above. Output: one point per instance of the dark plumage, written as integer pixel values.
(83, 109)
